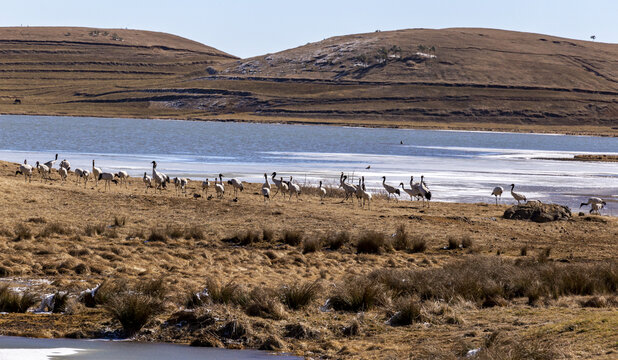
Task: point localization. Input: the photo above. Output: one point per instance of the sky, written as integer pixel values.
(249, 28)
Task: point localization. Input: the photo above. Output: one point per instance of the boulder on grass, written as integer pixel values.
(538, 212)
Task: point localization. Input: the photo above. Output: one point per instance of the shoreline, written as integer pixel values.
(594, 131)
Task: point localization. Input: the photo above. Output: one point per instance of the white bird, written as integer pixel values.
(96, 172)
(86, 176)
(25, 170)
(108, 178)
(596, 207)
(359, 191)
(219, 187)
(123, 176)
(43, 170)
(237, 185)
(78, 175)
(322, 191)
(594, 200)
(266, 188)
(347, 188)
(276, 182)
(516, 196)
(497, 193)
(65, 164)
(366, 195)
(50, 163)
(389, 189)
(147, 181)
(294, 189)
(159, 178)
(63, 173)
(284, 187)
(205, 186)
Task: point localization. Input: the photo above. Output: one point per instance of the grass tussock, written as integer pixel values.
(120, 221)
(228, 293)
(500, 346)
(371, 242)
(335, 241)
(292, 237)
(22, 232)
(466, 241)
(194, 232)
(299, 295)
(94, 229)
(490, 281)
(418, 244)
(311, 245)
(173, 231)
(401, 239)
(11, 301)
(407, 311)
(37, 220)
(268, 235)
(264, 303)
(452, 243)
(133, 310)
(157, 234)
(135, 306)
(357, 294)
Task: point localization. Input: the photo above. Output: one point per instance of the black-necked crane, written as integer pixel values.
(349, 189)
(596, 207)
(50, 163)
(366, 195)
(97, 171)
(147, 181)
(412, 192)
(277, 183)
(65, 164)
(284, 187)
(594, 200)
(237, 185)
(25, 170)
(322, 191)
(123, 176)
(517, 196)
(389, 189)
(220, 189)
(43, 170)
(497, 192)
(205, 186)
(266, 188)
(294, 189)
(86, 176)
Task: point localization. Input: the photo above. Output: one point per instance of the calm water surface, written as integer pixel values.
(458, 166)
(19, 348)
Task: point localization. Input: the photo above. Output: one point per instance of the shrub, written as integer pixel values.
(371, 242)
(292, 237)
(297, 295)
(311, 245)
(407, 312)
(22, 232)
(401, 240)
(11, 301)
(335, 241)
(356, 294)
(133, 310)
(229, 293)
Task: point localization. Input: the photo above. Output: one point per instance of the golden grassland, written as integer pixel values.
(75, 237)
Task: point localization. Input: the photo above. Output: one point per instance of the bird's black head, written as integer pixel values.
(512, 185)
(115, 181)
(18, 172)
(273, 174)
(397, 192)
(604, 203)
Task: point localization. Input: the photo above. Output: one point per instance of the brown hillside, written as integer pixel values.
(451, 78)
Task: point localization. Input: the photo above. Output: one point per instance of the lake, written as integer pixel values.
(458, 166)
(12, 347)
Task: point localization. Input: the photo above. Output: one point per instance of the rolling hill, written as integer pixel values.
(450, 78)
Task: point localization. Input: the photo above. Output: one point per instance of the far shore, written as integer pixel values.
(600, 131)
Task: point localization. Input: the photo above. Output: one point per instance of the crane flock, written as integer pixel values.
(158, 181)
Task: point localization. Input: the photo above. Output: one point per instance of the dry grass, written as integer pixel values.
(11, 301)
(357, 294)
(371, 242)
(299, 295)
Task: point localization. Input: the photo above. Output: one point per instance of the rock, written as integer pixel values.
(538, 212)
